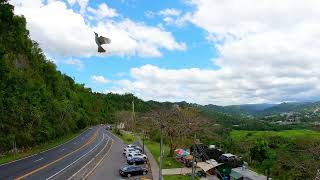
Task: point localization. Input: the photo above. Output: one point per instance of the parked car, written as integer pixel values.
(130, 150)
(130, 170)
(136, 160)
(140, 155)
(133, 146)
(230, 160)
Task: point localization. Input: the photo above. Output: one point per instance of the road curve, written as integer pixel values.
(60, 162)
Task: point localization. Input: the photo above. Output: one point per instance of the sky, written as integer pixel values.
(200, 51)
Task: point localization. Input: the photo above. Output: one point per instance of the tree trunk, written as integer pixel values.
(171, 151)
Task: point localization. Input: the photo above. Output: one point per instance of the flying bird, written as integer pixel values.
(101, 40)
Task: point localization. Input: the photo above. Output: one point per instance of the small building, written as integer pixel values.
(120, 126)
(209, 166)
(243, 173)
(231, 160)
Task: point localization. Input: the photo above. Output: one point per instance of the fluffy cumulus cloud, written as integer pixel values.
(131, 38)
(268, 52)
(99, 79)
(62, 31)
(103, 11)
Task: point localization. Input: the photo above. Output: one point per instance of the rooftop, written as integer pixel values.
(245, 172)
(228, 155)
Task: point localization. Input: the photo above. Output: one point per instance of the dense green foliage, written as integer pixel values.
(287, 154)
(38, 102)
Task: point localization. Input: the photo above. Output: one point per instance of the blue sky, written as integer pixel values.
(200, 51)
(198, 54)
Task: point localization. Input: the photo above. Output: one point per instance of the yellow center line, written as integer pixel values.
(57, 160)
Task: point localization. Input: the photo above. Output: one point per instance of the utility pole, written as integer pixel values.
(143, 141)
(161, 151)
(133, 114)
(194, 153)
(193, 161)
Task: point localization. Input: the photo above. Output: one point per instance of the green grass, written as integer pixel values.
(239, 134)
(174, 177)
(168, 162)
(37, 149)
(127, 138)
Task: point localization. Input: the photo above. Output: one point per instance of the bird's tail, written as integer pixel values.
(101, 50)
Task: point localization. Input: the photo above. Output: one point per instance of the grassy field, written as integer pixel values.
(168, 162)
(10, 156)
(239, 134)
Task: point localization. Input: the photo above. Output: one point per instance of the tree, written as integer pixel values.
(180, 125)
(262, 154)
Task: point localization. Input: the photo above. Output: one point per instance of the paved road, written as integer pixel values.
(60, 162)
(109, 167)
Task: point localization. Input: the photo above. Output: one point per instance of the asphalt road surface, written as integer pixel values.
(109, 167)
(60, 162)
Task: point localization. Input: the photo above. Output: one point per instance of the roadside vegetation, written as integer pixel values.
(168, 162)
(126, 137)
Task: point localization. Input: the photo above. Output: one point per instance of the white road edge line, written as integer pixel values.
(76, 160)
(45, 150)
(38, 160)
(91, 160)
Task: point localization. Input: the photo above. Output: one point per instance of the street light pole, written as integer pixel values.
(143, 141)
(193, 161)
(194, 153)
(133, 116)
(161, 152)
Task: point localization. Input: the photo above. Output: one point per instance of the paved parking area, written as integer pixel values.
(109, 167)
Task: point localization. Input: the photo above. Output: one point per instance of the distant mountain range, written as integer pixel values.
(260, 110)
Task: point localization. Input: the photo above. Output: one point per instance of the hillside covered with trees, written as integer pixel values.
(39, 103)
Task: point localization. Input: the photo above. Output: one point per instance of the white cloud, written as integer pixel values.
(131, 38)
(82, 3)
(267, 52)
(170, 16)
(240, 18)
(75, 37)
(28, 3)
(217, 86)
(99, 79)
(76, 62)
(103, 11)
(72, 37)
(170, 12)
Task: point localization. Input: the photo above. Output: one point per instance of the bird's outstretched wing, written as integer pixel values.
(104, 40)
